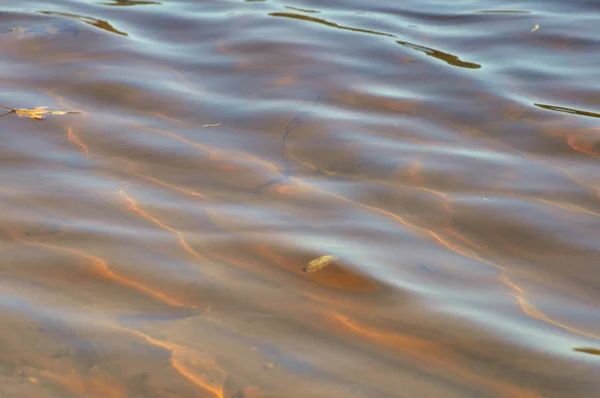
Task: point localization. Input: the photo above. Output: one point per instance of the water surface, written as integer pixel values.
(446, 152)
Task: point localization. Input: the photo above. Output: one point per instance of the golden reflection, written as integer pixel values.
(450, 59)
(327, 23)
(98, 23)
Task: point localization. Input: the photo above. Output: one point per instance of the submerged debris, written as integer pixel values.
(36, 113)
(319, 263)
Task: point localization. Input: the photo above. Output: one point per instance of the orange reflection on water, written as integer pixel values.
(171, 186)
(75, 139)
(101, 268)
(533, 312)
(133, 206)
(430, 353)
(585, 143)
(198, 368)
(190, 364)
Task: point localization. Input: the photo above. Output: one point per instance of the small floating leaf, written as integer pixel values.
(536, 27)
(319, 263)
(36, 113)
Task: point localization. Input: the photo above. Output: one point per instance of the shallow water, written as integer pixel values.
(446, 152)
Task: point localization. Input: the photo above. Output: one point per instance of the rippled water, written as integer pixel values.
(446, 152)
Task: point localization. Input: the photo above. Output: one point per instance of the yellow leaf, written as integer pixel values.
(37, 113)
(319, 263)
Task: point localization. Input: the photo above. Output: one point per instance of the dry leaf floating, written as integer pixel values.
(36, 113)
(319, 263)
